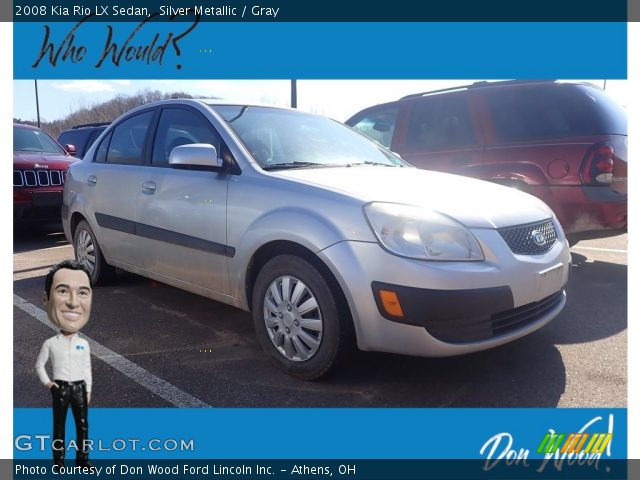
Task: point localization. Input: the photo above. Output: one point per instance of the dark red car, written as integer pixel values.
(565, 143)
(39, 170)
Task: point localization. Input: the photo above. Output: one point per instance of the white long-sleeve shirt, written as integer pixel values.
(70, 359)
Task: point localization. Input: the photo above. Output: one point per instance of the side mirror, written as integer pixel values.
(71, 149)
(200, 155)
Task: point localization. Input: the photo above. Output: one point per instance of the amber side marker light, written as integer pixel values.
(391, 303)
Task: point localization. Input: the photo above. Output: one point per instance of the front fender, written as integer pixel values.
(302, 226)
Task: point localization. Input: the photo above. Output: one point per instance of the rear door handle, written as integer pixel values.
(92, 179)
(149, 187)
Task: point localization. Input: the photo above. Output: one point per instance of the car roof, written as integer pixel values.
(488, 84)
(209, 103)
(88, 125)
(202, 103)
(26, 127)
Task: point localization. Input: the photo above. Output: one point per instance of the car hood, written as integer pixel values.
(30, 159)
(474, 203)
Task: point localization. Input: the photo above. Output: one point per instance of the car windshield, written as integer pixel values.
(287, 139)
(28, 140)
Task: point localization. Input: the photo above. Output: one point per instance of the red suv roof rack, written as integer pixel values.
(481, 84)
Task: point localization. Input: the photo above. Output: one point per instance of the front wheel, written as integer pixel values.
(88, 253)
(297, 318)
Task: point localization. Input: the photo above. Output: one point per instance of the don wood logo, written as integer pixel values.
(585, 446)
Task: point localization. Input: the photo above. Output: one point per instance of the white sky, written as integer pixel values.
(338, 99)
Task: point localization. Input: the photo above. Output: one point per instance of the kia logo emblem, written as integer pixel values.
(538, 237)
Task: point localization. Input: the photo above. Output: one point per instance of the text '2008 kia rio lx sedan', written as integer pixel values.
(324, 235)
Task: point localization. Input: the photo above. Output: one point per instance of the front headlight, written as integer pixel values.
(414, 232)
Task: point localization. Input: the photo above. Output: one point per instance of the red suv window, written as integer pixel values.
(440, 122)
(378, 124)
(556, 111)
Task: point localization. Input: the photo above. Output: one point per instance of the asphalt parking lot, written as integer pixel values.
(156, 346)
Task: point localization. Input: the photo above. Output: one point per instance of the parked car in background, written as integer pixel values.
(79, 138)
(565, 143)
(318, 231)
(39, 169)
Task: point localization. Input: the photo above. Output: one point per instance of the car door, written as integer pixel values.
(181, 213)
(114, 177)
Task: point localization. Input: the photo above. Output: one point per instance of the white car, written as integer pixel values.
(324, 235)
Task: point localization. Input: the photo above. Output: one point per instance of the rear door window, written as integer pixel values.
(128, 139)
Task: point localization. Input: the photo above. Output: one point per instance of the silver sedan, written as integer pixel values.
(329, 239)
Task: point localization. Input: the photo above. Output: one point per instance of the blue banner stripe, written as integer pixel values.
(330, 433)
(320, 50)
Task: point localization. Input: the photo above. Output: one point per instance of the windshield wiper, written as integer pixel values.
(285, 165)
(368, 162)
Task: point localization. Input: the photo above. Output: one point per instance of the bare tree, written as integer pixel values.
(105, 111)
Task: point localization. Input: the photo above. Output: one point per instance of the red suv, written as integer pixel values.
(39, 169)
(565, 143)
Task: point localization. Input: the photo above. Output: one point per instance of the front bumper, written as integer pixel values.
(462, 316)
(38, 206)
(450, 308)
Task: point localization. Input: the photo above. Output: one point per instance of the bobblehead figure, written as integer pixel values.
(67, 298)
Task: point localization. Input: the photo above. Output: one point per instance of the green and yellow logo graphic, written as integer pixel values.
(574, 443)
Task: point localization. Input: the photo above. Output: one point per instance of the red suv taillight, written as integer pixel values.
(597, 168)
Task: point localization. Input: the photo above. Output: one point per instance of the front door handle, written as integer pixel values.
(149, 187)
(92, 179)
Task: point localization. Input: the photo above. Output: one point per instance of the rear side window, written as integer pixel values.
(554, 111)
(128, 138)
(440, 122)
(94, 136)
(103, 148)
(378, 124)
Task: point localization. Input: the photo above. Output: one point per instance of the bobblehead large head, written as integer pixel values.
(68, 301)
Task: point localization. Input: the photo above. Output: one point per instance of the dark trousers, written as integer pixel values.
(74, 394)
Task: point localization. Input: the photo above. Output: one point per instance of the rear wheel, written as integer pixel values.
(88, 253)
(297, 318)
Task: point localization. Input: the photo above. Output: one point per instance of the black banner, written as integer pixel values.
(325, 11)
(568, 468)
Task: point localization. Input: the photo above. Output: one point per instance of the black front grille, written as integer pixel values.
(510, 320)
(530, 239)
(38, 178)
(486, 327)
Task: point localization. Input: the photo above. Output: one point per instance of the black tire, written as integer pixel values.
(87, 251)
(333, 338)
